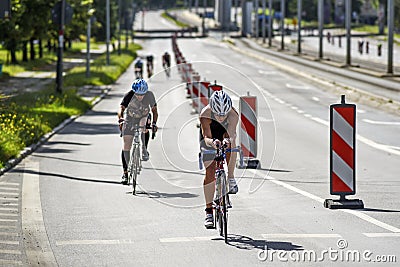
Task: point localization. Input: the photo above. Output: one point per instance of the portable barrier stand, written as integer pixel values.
(194, 92)
(343, 156)
(248, 131)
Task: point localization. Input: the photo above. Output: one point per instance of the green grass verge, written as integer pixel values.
(100, 73)
(25, 118)
(177, 22)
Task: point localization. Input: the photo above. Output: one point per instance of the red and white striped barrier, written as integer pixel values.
(203, 95)
(248, 130)
(342, 155)
(195, 92)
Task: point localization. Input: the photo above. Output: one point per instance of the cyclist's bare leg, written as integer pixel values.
(126, 149)
(209, 183)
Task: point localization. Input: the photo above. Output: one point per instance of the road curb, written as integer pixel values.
(30, 149)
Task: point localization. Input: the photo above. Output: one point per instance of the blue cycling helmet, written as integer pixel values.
(139, 86)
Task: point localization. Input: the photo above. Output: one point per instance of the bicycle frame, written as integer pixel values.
(135, 164)
(221, 200)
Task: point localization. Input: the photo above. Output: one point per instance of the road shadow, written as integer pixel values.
(172, 170)
(157, 194)
(62, 176)
(248, 243)
(83, 128)
(379, 210)
(75, 160)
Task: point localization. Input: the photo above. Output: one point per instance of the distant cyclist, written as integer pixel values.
(138, 63)
(166, 62)
(150, 65)
(218, 122)
(134, 109)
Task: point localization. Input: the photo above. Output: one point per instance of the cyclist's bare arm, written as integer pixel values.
(154, 110)
(121, 116)
(205, 120)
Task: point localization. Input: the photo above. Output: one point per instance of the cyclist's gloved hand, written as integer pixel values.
(216, 143)
(226, 142)
(154, 127)
(121, 123)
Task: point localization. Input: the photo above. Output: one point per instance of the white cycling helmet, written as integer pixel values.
(220, 103)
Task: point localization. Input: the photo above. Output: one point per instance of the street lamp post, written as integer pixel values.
(320, 27)
(390, 11)
(108, 32)
(59, 77)
(299, 11)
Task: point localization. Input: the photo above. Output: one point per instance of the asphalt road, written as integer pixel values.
(63, 205)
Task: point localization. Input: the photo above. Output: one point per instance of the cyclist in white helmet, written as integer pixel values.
(218, 122)
(137, 104)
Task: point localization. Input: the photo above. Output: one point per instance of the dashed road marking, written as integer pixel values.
(382, 234)
(94, 242)
(187, 239)
(382, 122)
(271, 236)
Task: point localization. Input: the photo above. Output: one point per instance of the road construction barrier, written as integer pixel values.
(202, 99)
(194, 91)
(343, 156)
(248, 130)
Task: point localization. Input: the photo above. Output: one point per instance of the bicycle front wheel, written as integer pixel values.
(135, 170)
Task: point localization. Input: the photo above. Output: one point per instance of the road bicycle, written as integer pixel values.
(135, 163)
(221, 202)
(149, 70)
(167, 69)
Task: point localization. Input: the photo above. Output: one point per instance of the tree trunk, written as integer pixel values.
(40, 48)
(24, 51)
(32, 49)
(49, 45)
(13, 56)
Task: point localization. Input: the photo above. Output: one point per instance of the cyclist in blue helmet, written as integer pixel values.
(135, 109)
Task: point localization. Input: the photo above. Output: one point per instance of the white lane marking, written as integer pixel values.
(9, 214)
(300, 111)
(187, 239)
(8, 209)
(8, 199)
(382, 122)
(268, 72)
(10, 184)
(315, 98)
(9, 204)
(382, 234)
(294, 108)
(94, 242)
(36, 242)
(9, 242)
(361, 111)
(8, 227)
(263, 119)
(9, 234)
(9, 194)
(297, 86)
(270, 236)
(8, 251)
(386, 148)
(8, 220)
(9, 188)
(10, 262)
(316, 198)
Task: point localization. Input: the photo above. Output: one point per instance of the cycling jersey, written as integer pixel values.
(135, 109)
